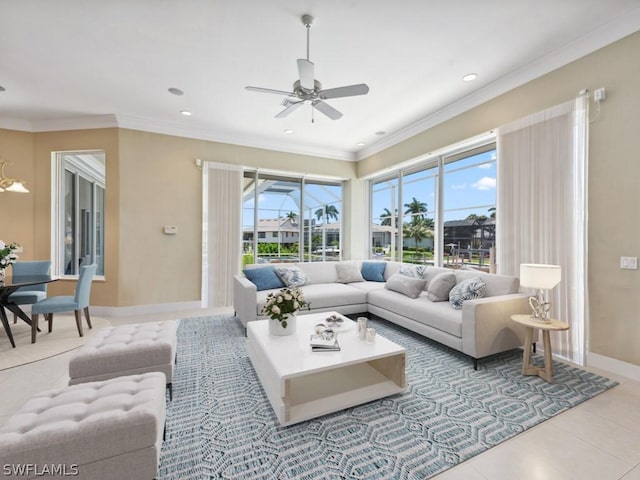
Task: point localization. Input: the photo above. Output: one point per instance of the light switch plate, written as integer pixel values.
(170, 230)
(629, 263)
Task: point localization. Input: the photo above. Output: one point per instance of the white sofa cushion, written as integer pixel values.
(323, 295)
(496, 284)
(319, 272)
(438, 315)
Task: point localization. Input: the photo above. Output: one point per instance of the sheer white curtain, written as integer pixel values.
(542, 209)
(222, 237)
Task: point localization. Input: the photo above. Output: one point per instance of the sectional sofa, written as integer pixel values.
(481, 327)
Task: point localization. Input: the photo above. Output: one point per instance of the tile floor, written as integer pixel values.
(597, 440)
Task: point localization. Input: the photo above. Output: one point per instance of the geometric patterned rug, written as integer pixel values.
(220, 424)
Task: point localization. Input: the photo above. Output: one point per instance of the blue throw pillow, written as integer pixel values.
(373, 271)
(265, 278)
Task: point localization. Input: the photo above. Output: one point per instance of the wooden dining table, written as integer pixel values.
(7, 288)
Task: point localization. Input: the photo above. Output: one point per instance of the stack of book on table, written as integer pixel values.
(325, 342)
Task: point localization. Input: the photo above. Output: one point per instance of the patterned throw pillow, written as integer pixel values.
(373, 271)
(292, 276)
(466, 290)
(264, 278)
(413, 271)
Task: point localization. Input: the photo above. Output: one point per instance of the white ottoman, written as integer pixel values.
(109, 430)
(127, 350)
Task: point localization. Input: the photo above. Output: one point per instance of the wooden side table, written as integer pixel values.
(532, 324)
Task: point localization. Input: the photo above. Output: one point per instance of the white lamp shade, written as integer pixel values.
(535, 275)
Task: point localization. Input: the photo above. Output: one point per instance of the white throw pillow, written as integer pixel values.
(348, 273)
(411, 287)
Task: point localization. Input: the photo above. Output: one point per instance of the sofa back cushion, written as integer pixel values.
(391, 269)
(496, 284)
(320, 272)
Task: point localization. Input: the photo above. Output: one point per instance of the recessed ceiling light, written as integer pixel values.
(469, 77)
(186, 113)
(381, 132)
(2, 89)
(360, 144)
(176, 91)
(288, 130)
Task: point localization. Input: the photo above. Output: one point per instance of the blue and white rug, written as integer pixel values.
(220, 424)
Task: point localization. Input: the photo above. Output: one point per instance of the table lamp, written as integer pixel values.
(541, 277)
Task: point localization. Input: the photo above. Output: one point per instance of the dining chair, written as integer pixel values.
(34, 293)
(66, 303)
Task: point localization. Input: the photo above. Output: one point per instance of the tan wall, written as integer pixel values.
(161, 185)
(16, 209)
(614, 176)
(102, 292)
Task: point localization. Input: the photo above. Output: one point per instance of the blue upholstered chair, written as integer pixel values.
(75, 303)
(34, 293)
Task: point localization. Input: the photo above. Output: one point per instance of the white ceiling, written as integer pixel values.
(83, 63)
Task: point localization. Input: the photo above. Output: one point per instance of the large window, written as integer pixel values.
(78, 216)
(439, 212)
(290, 219)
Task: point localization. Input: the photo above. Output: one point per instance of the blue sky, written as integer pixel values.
(469, 187)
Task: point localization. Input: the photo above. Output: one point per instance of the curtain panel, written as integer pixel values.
(222, 232)
(542, 210)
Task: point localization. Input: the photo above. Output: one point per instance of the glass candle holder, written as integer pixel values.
(371, 335)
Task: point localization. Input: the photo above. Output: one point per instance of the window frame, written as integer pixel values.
(439, 160)
(61, 163)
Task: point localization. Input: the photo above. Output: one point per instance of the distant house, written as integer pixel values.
(274, 230)
(477, 233)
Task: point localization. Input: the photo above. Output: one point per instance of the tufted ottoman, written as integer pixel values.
(109, 430)
(127, 350)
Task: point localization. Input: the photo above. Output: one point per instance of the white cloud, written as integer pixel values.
(262, 198)
(486, 165)
(485, 183)
(461, 186)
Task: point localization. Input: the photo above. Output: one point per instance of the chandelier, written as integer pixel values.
(10, 184)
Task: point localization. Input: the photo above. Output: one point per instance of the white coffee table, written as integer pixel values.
(302, 384)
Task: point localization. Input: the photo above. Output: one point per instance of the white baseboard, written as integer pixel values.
(144, 309)
(618, 367)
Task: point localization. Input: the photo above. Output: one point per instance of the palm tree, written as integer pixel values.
(492, 211)
(292, 216)
(328, 212)
(416, 208)
(386, 217)
(417, 230)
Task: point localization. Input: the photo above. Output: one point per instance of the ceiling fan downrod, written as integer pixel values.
(307, 21)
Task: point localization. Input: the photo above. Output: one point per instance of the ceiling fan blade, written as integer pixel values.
(327, 109)
(306, 71)
(269, 90)
(291, 108)
(349, 91)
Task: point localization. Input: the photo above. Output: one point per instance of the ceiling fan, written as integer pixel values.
(308, 90)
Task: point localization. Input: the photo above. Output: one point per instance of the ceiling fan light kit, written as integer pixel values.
(308, 90)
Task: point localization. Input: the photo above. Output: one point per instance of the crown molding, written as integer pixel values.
(613, 31)
(167, 128)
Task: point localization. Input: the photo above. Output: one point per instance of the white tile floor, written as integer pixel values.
(599, 439)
